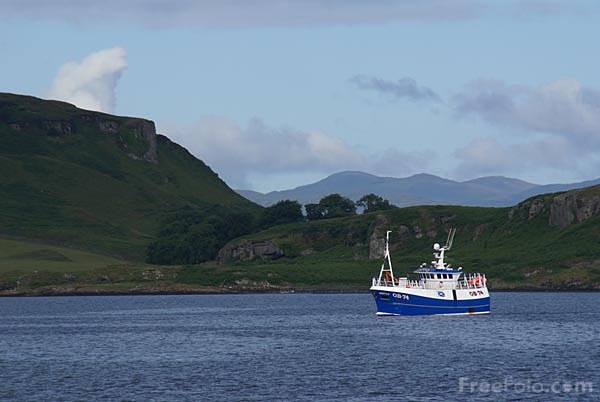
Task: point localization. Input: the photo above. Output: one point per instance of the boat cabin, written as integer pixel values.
(432, 278)
(438, 275)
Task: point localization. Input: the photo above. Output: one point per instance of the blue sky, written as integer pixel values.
(277, 93)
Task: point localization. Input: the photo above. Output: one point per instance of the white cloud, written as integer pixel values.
(549, 156)
(557, 127)
(260, 152)
(562, 107)
(236, 152)
(91, 83)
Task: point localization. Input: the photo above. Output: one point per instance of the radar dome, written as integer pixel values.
(436, 246)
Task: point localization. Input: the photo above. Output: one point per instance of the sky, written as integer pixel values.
(273, 94)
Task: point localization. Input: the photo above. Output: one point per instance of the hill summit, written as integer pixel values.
(96, 181)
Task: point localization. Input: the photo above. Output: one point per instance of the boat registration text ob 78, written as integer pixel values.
(439, 289)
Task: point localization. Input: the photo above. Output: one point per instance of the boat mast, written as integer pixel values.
(439, 264)
(386, 258)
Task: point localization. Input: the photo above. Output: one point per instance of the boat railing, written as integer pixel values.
(472, 281)
(466, 285)
(468, 282)
(399, 283)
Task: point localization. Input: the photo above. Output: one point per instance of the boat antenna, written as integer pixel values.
(439, 255)
(450, 239)
(387, 258)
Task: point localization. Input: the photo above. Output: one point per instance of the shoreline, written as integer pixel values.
(222, 291)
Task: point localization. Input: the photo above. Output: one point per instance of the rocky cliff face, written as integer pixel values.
(377, 238)
(143, 132)
(136, 137)
(563, 209)
(247, 250)
(573, 207)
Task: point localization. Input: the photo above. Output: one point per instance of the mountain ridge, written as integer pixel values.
(418, 189)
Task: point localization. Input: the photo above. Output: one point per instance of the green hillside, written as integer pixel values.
(94, 181)
(529, 246)
(86, 198)
(29, 268)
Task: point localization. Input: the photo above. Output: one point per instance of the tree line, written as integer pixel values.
(193, 235)
(331, 206)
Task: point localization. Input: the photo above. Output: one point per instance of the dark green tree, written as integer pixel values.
(281, 213)
(335, 205)
(372, 202)
(192, 236)
(331, 206)
(313, 212)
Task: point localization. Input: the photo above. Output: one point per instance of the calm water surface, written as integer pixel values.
(534, 346)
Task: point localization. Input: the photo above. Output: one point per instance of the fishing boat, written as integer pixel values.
(438, 289)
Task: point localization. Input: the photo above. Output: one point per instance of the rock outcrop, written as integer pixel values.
(562, 209)
(529, 209)
(152, 274)
(249, 284)
(107, 125)
(247, 250)
(141, 132)
(57, 127)
(377, 238)
(146, 130)
(537, 207)
(573, 207)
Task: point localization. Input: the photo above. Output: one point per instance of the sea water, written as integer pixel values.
(296, 347)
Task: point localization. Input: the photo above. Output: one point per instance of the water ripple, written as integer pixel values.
(294, 347)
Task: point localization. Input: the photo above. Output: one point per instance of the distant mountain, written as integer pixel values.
(420, 189)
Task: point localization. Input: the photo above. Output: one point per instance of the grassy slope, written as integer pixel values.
(515, 253)
(81, 189)
(333, 254)
(28, 268)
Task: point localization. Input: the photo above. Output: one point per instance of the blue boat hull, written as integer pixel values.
(387, 304)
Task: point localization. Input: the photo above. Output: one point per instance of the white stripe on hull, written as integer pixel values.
(408, 315)
(461, 294)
